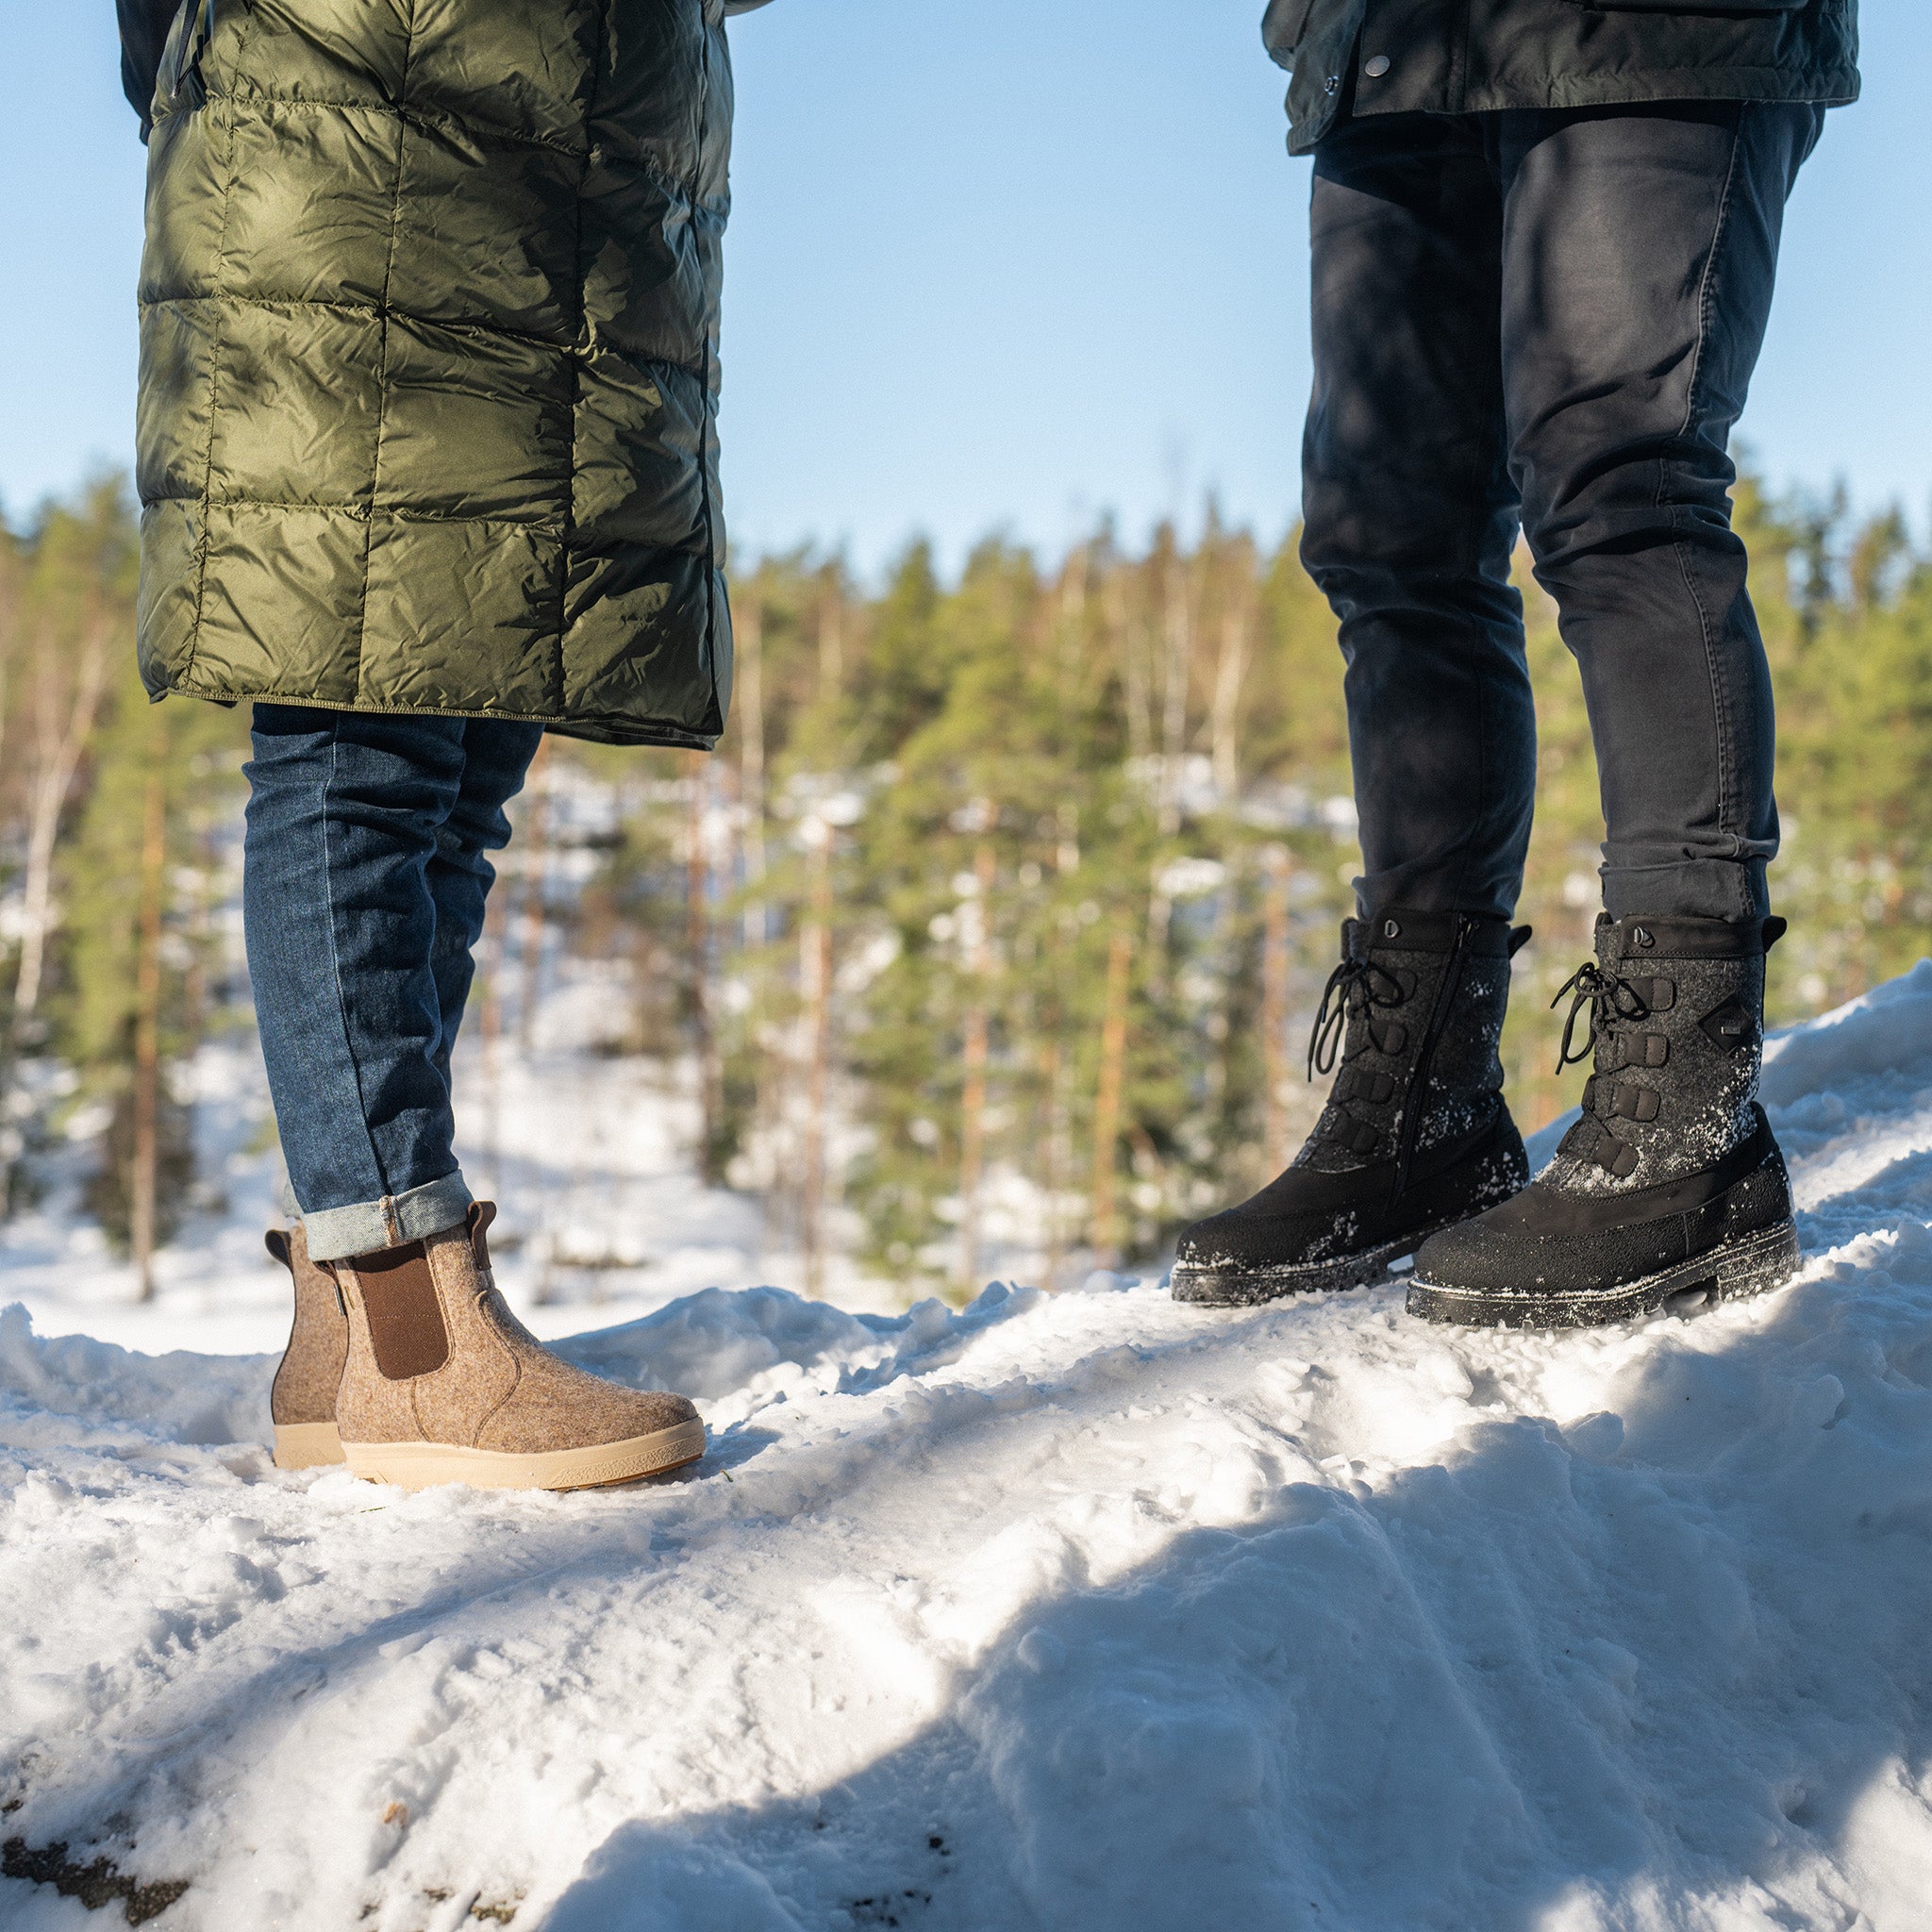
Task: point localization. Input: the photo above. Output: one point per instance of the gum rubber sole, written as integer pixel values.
(1758, 1262)
(307, 1445)
(424, 1465)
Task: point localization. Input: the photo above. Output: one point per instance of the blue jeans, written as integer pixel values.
(362, 895)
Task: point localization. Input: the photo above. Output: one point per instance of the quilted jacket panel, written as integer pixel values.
(428, 391)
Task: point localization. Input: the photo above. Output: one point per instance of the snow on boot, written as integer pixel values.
(445, 1384)
(1670, 1191)
(302, 1399)
(1415, 1134)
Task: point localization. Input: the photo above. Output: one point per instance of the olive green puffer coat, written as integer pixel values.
(428, 361)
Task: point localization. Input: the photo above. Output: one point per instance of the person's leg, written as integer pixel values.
(349, 816)
(496, 755)
(1410, 513)
(1410, 517)
(363, 892)
(1639, 249)
(1639, 252)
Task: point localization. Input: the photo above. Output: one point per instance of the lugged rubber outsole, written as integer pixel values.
(307, 1445)
(1248, 1288)
(425, 1465)
(1220, 1285)
(1222, 1288)
(1751, 1266)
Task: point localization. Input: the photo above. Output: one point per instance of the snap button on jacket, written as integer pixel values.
(428, 388)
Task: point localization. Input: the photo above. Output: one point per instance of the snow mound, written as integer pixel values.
(1884, 1033)
(1058, 1612)
(69, 1387)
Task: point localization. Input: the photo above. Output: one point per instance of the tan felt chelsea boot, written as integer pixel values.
(302, 1402)
(445, 1384)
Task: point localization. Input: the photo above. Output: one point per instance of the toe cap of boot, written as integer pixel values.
(555, 1406)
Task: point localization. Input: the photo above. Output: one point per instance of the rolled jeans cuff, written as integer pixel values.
(337, 1233)
(1694, 889)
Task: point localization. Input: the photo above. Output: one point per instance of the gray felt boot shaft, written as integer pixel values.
(1677, 1035)
(1407, 963)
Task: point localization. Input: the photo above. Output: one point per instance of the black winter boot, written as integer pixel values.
(1670, 1191)
(1415, 1134)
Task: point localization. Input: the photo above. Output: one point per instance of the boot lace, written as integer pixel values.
(1607, 997)
(1353, 989)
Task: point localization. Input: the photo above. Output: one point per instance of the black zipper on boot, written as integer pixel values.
(1419, 1082)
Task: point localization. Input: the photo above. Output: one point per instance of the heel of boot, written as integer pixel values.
(307, 1445)
(1753, 1264)
(1759, 1262)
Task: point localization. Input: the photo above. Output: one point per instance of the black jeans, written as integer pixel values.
(1551, 318)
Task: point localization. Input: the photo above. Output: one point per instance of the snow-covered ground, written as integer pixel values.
(1063, 1612)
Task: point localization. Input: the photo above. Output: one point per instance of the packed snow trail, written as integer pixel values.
(1061, 1612)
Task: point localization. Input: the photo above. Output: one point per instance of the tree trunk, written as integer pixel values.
(1178, 636)
(831, 638)
(815, 987)
(1123, 635)
(697, 944)
(59, 741)
(1230, 668)
(1074, 580)
(1106, 1103)
(142, 1189)
(195, 991)
(1060, 1154)
(973, 1094)
(749, 697)
(1052, 1061)
(1275, 1002)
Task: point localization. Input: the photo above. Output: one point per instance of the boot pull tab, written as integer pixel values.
(1518, 938)
(277, 1244)
(481, 1214)
(1774, 929)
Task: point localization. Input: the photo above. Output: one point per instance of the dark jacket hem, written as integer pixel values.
(625, 731)
(1834, 89)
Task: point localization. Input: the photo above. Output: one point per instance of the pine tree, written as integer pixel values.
(996, 917)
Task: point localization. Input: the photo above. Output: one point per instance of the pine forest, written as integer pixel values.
(998, 916)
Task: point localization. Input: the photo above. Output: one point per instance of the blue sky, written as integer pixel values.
(1003, 265)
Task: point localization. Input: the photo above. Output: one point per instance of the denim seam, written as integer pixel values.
(1706, 297)
(360, 1228)
(335, 967)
